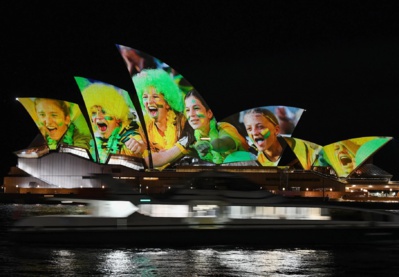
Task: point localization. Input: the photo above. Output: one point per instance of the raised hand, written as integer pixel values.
(203, 147)
(136, 146)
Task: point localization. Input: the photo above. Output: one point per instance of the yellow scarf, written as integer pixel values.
(263, 160)
(159, 142)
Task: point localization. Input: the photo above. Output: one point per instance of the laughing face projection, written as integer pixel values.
(345, 152)
(163, 106)
(53, 119)
(263, 130)
(155, 104)
(60, 122)
(345, 156)
(341, 156)
(115, 131)
(104, 122)
(214, 141)
(198, 115)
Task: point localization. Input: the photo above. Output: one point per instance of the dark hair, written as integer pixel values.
(60, 103)
(197, 95)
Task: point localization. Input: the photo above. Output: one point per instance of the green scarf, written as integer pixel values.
(108, 146)
(67, 138)
(211, 156)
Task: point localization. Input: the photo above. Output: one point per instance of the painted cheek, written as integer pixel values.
(265, 133)
(201, 115)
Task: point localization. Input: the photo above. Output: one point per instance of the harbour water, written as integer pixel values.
(77, 260)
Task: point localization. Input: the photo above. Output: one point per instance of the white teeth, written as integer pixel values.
(345, 159)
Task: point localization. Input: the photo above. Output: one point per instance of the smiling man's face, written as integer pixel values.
(51, 117)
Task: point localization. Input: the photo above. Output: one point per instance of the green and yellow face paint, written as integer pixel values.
(265, 133)
(196, 107)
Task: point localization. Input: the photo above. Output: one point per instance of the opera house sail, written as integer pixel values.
(164, 128)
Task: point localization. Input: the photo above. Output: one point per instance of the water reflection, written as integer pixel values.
(215, 261)
(74, 260)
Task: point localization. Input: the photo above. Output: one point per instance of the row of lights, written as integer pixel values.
(307, 189)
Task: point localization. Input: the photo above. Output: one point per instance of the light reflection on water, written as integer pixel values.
(217, 261)
(74, 260)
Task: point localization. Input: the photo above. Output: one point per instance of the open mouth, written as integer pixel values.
(51, 129)
(153, 110)
(259, 140)
(102, 126)
(345, 159)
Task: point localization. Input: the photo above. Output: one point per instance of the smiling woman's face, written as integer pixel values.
(197, 115)
(155, 103)
(262, 132)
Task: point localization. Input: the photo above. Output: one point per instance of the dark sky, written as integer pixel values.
(339, 60)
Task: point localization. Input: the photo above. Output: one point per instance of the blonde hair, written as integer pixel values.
(264, 112)
(109, 99)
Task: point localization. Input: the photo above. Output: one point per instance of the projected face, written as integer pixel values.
(197, 115)
(104, 123)
(155, 104)
(261, 130)
(345, 152)
(53, 117)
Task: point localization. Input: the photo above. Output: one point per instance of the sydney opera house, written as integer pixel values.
(158, 136)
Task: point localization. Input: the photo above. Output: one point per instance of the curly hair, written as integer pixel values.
(163, 83)
(109, 99)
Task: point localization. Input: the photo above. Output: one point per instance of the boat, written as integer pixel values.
(210, 209)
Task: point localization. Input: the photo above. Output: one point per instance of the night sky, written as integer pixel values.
(338, 60)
